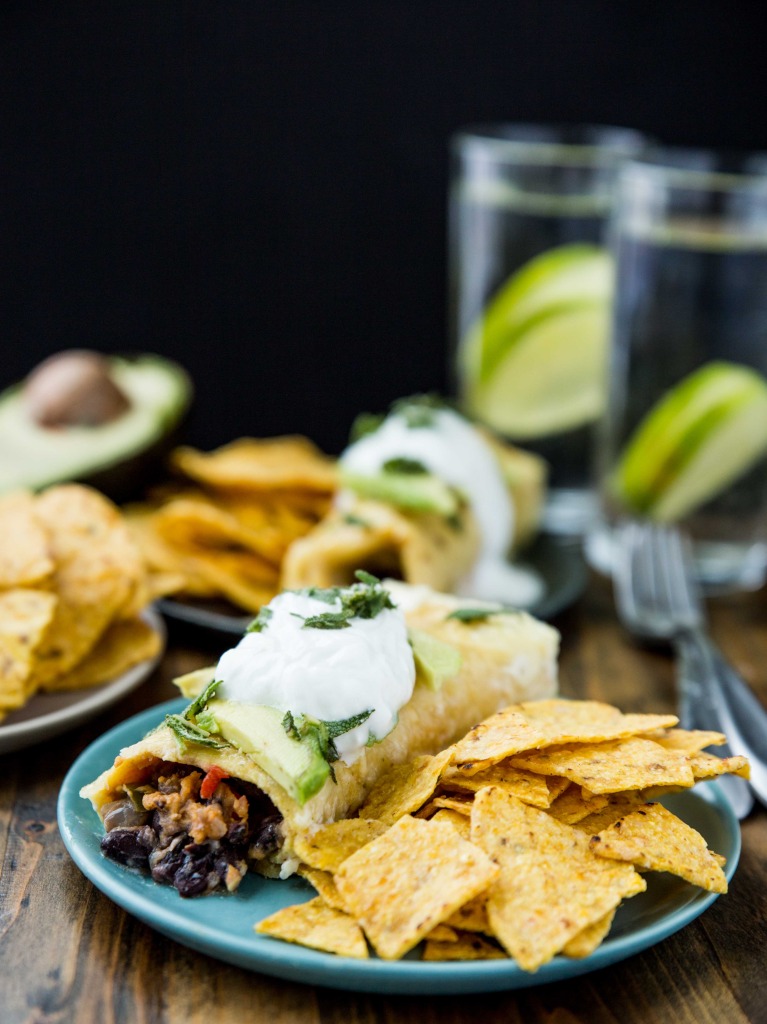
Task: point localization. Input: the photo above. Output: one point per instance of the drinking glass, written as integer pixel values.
(530, 285)
(684, 436)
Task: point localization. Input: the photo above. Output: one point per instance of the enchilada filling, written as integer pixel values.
(193, 831)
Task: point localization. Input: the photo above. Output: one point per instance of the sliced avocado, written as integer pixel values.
(435, 661)
(117, 457)
(193, 683)
(258, 731)
(421, 492)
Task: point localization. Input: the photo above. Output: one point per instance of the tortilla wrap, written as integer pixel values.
(421, 548)
(506, 659)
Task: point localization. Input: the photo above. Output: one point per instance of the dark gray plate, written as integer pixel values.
(559, 563)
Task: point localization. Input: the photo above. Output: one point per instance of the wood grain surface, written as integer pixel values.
(67, 954)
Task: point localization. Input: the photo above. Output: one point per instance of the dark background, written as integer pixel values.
(259, 189)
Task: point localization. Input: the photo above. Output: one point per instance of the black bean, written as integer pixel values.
(129, 846)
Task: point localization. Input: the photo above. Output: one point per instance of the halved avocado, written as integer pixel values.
(118, 457)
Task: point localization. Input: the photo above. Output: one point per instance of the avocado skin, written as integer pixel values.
(128, 480)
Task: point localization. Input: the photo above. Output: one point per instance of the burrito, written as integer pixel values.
(430, 498)
(293, 726)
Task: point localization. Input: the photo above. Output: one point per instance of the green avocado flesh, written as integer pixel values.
(420, 492)
(257, 731)
(435, 661)
(32, 456)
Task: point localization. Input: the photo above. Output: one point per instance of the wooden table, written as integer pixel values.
(67, 954)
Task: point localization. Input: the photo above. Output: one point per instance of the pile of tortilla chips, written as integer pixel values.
(72, 587)
(519, 841)
(223, 532)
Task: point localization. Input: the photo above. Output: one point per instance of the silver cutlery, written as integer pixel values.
(658, 598)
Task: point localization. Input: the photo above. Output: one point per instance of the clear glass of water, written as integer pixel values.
(530, 287)
(684, 436)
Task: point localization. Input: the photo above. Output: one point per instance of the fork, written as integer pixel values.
(658, 598)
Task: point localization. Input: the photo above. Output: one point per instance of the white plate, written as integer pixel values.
(49, 714)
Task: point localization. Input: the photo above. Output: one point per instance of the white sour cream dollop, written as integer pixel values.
(329, 674)
(450, 447)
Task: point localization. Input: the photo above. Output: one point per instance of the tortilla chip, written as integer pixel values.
(97, 568)
(616, 807)
(125, 643)
(25, 617)
(404, 788)
(318, 926)
(708, 766)
(25, 558)
(537, 724)
(260, 465)
(410, 879)
(551, 885)
(572, 806)
(653, 838)
(526, 786)
(632, 763)
(472, 916)
(323, 882)
(466, 947)
(460, 822)
(689, 741)
(329, 846)
(590, 938)
(442, 933)
(200, 526)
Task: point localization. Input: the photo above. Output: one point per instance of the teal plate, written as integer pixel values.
(221, 925)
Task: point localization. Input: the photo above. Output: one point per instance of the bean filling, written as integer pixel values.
(186, 840)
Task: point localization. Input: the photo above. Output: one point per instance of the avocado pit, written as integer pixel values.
(74, 389)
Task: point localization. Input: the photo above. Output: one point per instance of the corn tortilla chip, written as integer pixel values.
(652, 837)
(328, 847)
(404, 788)
(460, 822)
(410, 879)
(526, 786)
(260, 464)
(442, 933)
(25, 558)
(551, 885)
(318, 926)
(97, 568)
(25, 617)
(465, 947)
(125, 643)
(632, 763)
(572, 806)
(323, 882)
(708, 766)
(472, 916)
(589, 938)
(538, 724)
(690, 741)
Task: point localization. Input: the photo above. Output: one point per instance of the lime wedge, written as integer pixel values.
(568, 273)
(550, 377)
(696, 440)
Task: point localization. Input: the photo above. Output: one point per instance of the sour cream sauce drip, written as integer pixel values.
(450, 448)
(329, 674)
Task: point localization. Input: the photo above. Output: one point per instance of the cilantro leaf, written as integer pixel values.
(258, 625)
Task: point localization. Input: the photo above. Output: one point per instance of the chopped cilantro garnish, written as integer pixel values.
(322, 734)
(362, 600)
(258, 625)
(187, 732)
